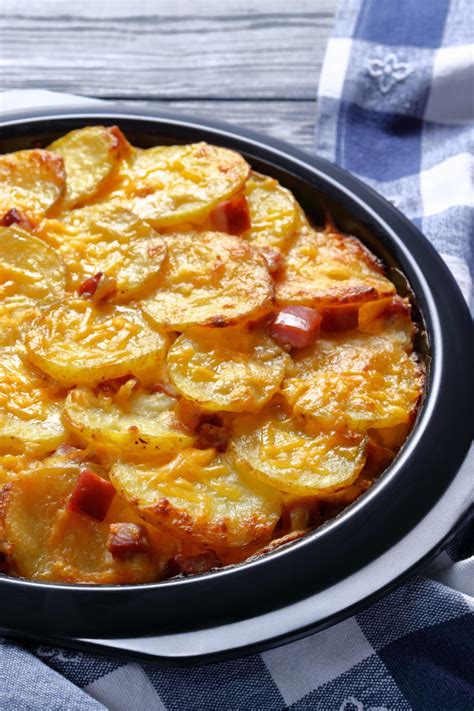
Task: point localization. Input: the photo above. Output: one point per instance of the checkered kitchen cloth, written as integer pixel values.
(395, 105)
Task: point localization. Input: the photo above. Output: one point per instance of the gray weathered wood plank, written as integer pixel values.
(160, 50)
(291, 121)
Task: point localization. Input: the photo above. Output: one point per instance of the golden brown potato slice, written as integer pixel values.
(325, 268)
(28, 267)
(44, 540)
(110, 240)
(31, 181)
(356, 380)
(143, 423)
(278, 450)
(232, 369)
(30, 409)
(91, 157)
(167, 185)
(273, 212)
(210, 279)
(77, 343)
(202, 496)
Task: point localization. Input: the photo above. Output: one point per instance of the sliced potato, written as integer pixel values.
(232, 369)
(166, 185)
(390, 438)
(392, 314)
(325, 268)
(91, 157)
(16, 314)
(356, 380)
(377, 460)
(280, 453)
(31, 181)
(202, 496)
(111, 240)
(273, 212)
(77, 343)
(28, 267)
(30, 409)
(210, 279)
(143, 424)
(47, 541)
(31, 275)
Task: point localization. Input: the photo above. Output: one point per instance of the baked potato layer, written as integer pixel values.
(109, 240)
(31, 183)
(238, 370)
(167, 185)
(202, 496)
(191, 372)
(78, 343)
(210, 279)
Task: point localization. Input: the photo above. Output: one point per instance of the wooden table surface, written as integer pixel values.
(256, 63)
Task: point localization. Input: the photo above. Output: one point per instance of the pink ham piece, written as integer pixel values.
(296, 326)
(193, 564)
(92, 495)
(89, 286)
(15, 217)
(231, 216)
(127, 539)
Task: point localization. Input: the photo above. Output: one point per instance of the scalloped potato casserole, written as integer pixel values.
(191, 372)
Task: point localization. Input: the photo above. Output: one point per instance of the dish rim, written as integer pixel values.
(336, 181)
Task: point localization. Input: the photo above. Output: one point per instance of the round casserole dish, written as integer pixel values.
(292, 589)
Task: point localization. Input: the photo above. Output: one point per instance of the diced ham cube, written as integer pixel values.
(212, 436)
(194, 564)
(127, 539)
(15, 217)
(296, 326)
(98, 287)
(340, 318)
(88, 287)
(273, 258)
(232, 216)
(92, 495)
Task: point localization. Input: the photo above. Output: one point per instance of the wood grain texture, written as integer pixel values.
(255, 63)
(291, 121)
(266, 52)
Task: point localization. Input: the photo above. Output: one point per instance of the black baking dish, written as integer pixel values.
(419, 480)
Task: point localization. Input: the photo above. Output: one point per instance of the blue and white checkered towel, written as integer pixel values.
(395, 107)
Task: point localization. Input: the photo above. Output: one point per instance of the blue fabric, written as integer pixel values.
(394, 107)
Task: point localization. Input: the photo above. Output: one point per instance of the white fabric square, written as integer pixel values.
(451, 99)
(336, 61)
(300, 667)
(447, 184)
(127, 687)
(460, 577)
(461, 272)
